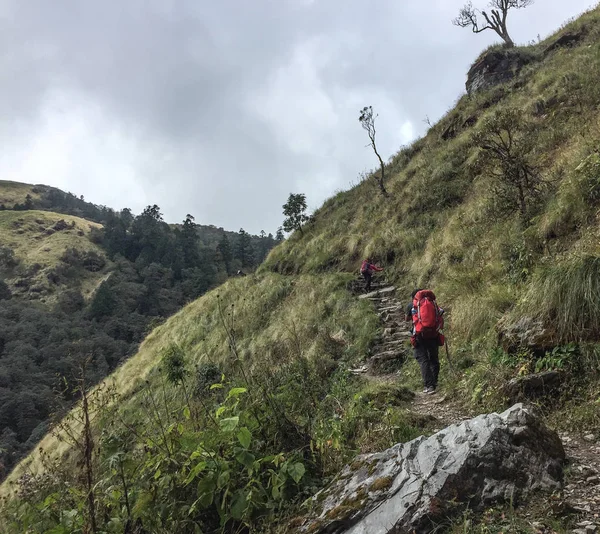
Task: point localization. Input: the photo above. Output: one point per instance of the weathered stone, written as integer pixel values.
(387, 355)
(525, 332)
(379, 292)
(411, 487)
(494, 68)
(532, 386)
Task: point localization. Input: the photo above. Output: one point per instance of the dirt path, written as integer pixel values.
(581, 494)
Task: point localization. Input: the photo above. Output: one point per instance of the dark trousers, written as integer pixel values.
(368, 276)
(426, 353)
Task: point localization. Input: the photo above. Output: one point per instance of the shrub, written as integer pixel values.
(5, 293)
(567, 296)
(7, 258)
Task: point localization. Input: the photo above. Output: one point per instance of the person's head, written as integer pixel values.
(368, 260)
(414, 293)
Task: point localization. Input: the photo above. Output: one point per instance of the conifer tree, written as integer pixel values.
(244, 250)
(224, 248)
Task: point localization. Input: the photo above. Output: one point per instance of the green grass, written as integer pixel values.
(12, 193)
(566, 295)
(276, 320)
(26, 233)
(31, 237)
(441, 227)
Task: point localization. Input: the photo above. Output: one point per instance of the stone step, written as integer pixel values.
(392, 314)
(379, 292)
(389, 308)
(395, 339)
(387, 355)
(399, 336)
(392, 317)
(396, 342)
(393, 348)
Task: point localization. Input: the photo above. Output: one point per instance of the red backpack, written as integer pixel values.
(427, 319)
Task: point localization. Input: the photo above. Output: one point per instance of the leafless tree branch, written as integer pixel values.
(494, 20)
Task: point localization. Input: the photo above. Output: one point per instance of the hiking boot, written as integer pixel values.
(430, 390)
(425, 390)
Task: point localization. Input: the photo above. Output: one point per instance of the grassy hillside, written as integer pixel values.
(12, 193)
(288, 341)
(518, 273)
(446, 226)
(73, 290)
(39, 240)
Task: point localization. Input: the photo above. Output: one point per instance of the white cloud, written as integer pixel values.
(220, 109)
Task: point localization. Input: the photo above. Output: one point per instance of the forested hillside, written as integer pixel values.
(73, 289)
(237, 409)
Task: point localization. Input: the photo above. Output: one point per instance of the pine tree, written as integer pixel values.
(103, 303)
(244, 250)
(224, 248)
(190, 241)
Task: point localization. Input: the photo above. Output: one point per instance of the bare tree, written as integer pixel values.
(508, 141)
(367, 120)
(76, 429)
(495, 19)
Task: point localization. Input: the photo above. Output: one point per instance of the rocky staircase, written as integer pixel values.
(391, 349)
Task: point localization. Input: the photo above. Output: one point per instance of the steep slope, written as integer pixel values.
(74, 290)
(451, 222)
(518, 271)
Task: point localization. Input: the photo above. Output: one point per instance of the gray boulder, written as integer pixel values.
(412, 487)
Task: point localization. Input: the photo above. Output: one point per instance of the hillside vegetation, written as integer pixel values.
(73, 290)
(12, 193)
(33, 244)
(242, 405)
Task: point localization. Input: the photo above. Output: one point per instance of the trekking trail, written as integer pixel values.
(392, 349)
(581, 494)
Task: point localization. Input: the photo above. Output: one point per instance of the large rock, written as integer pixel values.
(533, 386)
(411, 487)
(495, 67)
(527, 332)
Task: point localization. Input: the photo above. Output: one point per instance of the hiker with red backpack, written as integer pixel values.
(366, 269)
(427, 337)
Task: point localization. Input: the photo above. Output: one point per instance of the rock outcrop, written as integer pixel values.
(525, 332)
(411, 487)
(567, 39)
(533, 386)
(495, 67)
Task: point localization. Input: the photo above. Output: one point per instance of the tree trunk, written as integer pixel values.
(382, 177)
(522, 203)
(509, 43)
(125, 490)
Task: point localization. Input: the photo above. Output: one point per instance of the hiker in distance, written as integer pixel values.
(427, 337)
(367, 269)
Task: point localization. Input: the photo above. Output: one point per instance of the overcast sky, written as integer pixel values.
(222, 108)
